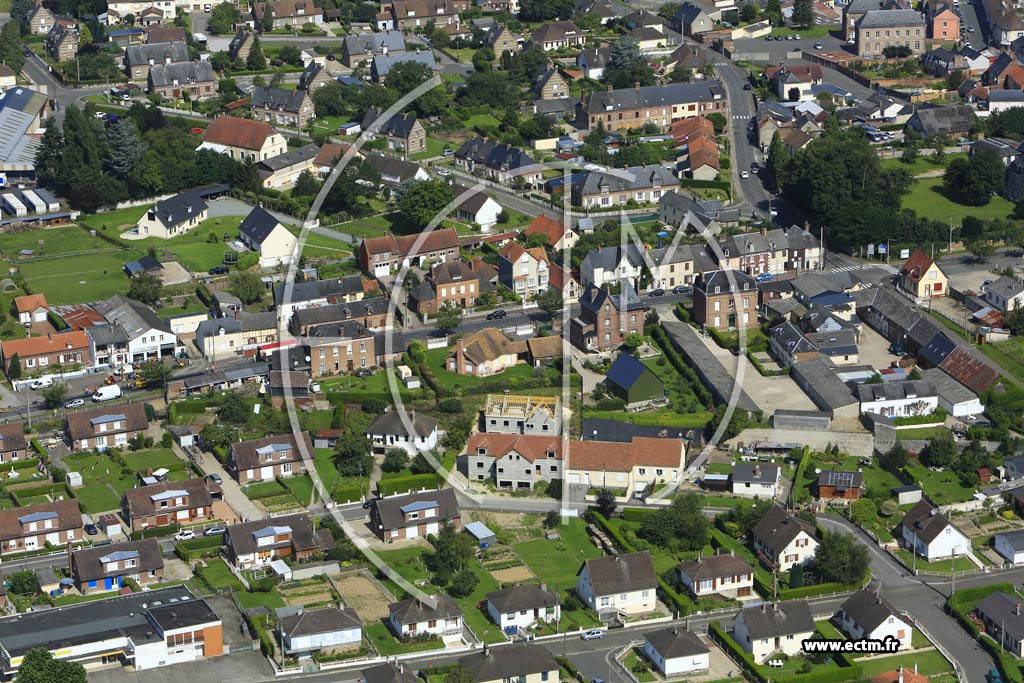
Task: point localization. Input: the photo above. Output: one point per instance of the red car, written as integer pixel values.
(195, 131)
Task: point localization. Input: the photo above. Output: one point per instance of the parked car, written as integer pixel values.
(745, 174)
(219, 270)
(215, 478)
(91, 529)
(764, 277)
(497, 315)
(214, 531)
(41, 383)
(74, 403)
(818, 46)
(185, 535)
(682, 289)
(657, 292)
(364, 372)
(592, 634)
(195, 131)
(447, 152)
(747, 86)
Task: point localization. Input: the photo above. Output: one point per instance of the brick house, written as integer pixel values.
(879, 30)
(281, 107)
(725, 302)
(105, 427)
(174, 81)
(408, 15)
(36, 355)
(267, 458)
(257, 543)
(606, 319)
(370, 313)
(170, 502)
(835, 485)
(105, 568)
(484, 353)
(451, 282)
(31, 527)
(378, 256)
(658, 104)
(288, 13)
(404, 133)
(62, 43)
(337, 348)
(13, 445)
(416, 515)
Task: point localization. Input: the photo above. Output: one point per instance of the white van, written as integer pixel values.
(106, 393)
(41, 383)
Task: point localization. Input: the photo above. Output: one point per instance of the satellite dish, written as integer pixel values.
(817, 470)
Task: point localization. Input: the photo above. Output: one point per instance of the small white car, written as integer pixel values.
(744, 174)
(592, 634)
(185, 535)
(100, 115)
(443, 172)
(75, 403)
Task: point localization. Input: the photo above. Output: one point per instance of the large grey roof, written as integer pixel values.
(258, 224)
(1002, 609)
(947, 119)
(398, 125)
(415, 610)
(894, 391)
(869, 610)
(608, 258)
(319, 289)
(778, 528)
(828, 392)
(626, 179)
(391, 422)
(134, 316)
(621, 573)
(755, 473)
(511, 662)
(709, 368)
(375, 43)
(382, 64)
(103, 335)
(1006, 287)
(653, 96)
(494, 154)
(771, 620)
(278, 98)
(946, 387)
(674, 642)
(179, 208)
(183, 73)
(316, 315)
(316, 621)
(526, 596)
(291, 157)
(157, 53)
(890, 18)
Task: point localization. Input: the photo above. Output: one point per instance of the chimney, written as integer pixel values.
(764, 231)
(609, 87)
(460, 357)
(49, 335)
(899, 677)
(1016, 609)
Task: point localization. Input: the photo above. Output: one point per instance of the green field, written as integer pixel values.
(1008, 354)
(558, 561)
(941, 487)
(104, 481)
(386, 644)
(77, 279)
(928, 198)
(921, 164)
(193, 250)
(929, 663)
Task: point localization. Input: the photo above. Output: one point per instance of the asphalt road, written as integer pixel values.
(970, 16)
(957, 264)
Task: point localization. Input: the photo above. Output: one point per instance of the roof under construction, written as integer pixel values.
(518, 405)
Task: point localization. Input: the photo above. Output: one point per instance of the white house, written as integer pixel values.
(726, 575)
(867, 615)
(31, 308)
(676, 651)
(909, 398)
(618, 584)
(149, 335)
(784, 539)
(928, 533)
(765, 629)
(1006, 294)
(956, 399)
(611, 265)
(266, 236)
(437, 615)
(173, 216)
(305, 631)
(391, 430)
(476, 207)
(519, 607)
(1011, 546)
(755, 480)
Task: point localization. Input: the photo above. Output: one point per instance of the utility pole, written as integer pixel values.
(952, 571)
(915, 554)
(950, 233)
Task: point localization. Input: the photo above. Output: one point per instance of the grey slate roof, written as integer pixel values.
(318, 315)
(923, 523)
(382, 64)
(948, 388)
(493, 154)
(1006, 287)
(723, 281)
(414, 610)
(674, 642)
(715, 566)
(778, 528)
(277, 98)
(605, 429)
(943, 120)
(134, 316)
(653, 96)
(893, 391)
(827, 391)
(393, 167)
(320, 289)
(316, 621)
(90, 563)
(791, 338)
(621, 573)
(869, 610)
(399, 125)
(388, 673)
(104, 335)
(375, 43)
(158, 53)
(179, 208)
(512, 662)
(258, 225)
(526, 596)
(290, 158)
(391, 422)
(778, 619)
(626, 179)
(755, 473)
(891, 18)
(1014, 538)
(1001, 608)
(389, 510)
(184, 73)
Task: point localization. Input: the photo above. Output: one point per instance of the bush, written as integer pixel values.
(412, 482)
(450, 405)
(264, 585)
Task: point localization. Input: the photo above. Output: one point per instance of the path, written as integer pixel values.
(239, 502)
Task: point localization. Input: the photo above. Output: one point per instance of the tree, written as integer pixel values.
(552, 519)
(124, 149)
(267, 24)
(420, 465)
(718, 121)
(246, 177)
(774, 11)
(216, 435)
(681, 74)
(404, 77)
(453, 552)
(940, 452)
(980, 250)
(463, 583)
(425, 200)
(974, 181)
(606, 502)
(358, 179)
(628, 65)
(910, 153)
(459, 675)
(84, 34)
(395, 460)
(352, 455)
(145, 287)
(634, 341)
(10, 46)
(803, 13)
(495, 89)
(748, 12)
(550, 301)
(448, 318)
(546, 10)
(39, 666)
(256, 61)
(14, 367)
(155, 373)
(290, 54)
(306, 185)
(482, 59)
(55, 394)
(247, 286)
(223, 18)
(841, 558)
(889, 508)
(440, 39)
(896, 457)
(681, 526)
(863, 512)
(233, 408)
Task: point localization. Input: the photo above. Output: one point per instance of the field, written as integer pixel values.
(928, 198)
(193, 250)
(556, 562)
(1009, 354)
(363, 596)
(941, 487)
(104, 480)
(921, 164)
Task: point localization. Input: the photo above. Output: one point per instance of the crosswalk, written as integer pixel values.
(881, 266)
(740, 117)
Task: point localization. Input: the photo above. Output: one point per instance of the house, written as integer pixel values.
(40, 19)
(697, 148)
(306, 631)
(31, 308)
(404, 133)
(174, 81)
(642, 184)
(725, 300)
(378, 256)
(566, 282)
(606, 319)
(104, 427)
(686, 57)
(388, 673)
(497, 162)
(794, 83)
(633, 382)
(755, 480)
(523, 662)
(314, 77)
(394, 171)
(344, 346)
(624, 584)
(789, 345)
(241, 45)
(166, 503)
(359, 50)
(62, 43)
(292, 108)
(370, 313)
(520, 414)
(288, 13)
(381, 65)
(409, 15)
(501, 39)
(476, 208)
(149, 335)
(676, 651)
(32, 527)
(724, 574)
(921, 277)
(1001, 615)
(952, 121)
(269, 458)
(520, 607)
(783, 540)
(484, 353)
(557, 235)
(657, 104)
(13, 444)
(437, 615)
(1010, 544)
(909, 398)
(173, 216)
(628, 468)
(612, 265)
(559, 35)
(139, 58)
(523, 271)
(513, 461)
(267, 236)
(1005, 294)
(257, 543)
(242, 333)
(866, 615)
(549, 85)
(955, 398)
(907, 28)
(301, 295)
(692, 19)
(450, 283)
(768, 628)
(105, 567)
(593, 61)
(37, 355)
(931, 535)
(396, 429)
(838, 486)
(243, 139)
(283, 171)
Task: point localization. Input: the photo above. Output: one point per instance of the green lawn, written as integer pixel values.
(436, 359)
(929, 663)
(664, 419)
(558, 561)
(105, 482)
(640, 669)
(220, 577)
(155, 458)
(485, 120)
(941, 487)
(78, 279)
(434, 149)
(111, 221)
(962, 563)
(813, 32)
(47, 242)
(376, 383)
(386, 644)
(921, 433)
(377, 226)
(1008, 354)
(271, 600)
(928, 198)
(301, 488)
(921, 164)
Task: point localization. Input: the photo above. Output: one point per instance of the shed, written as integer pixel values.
(907, 495)
(482, 534)
(185, 435)
(110, 524)
(74, 479)
(809, 420)
(633, 382)
(281, 568)
(49, 582)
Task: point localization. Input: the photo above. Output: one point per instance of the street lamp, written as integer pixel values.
(951, 229)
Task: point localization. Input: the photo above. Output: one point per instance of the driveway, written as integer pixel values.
(239, 502)
(873, 349)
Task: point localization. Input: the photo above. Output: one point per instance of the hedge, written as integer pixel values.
(156, 531)
(347, 493)
(938, 416)
(634, 514)
(711, 184)
(205, 546)
(961, 603)
(18, 495)
(685, 371)
(36, 446)
(23, 464)
(569, 667)
(411, 482)
(683, 313)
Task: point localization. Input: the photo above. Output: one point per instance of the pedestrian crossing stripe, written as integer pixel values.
(845, 269)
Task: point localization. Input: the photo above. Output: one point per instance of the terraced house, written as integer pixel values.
(403, 132)
(497, 161)
(408, 15)
(658, 104)
(641, 184)
(105, 568)
(31, 527)
(359, 49)
(171, 502)
(13, 445)
(292, 108)
(288, 13)
(336, 348)
(514, 461)
(38, 355)
(267, 458)
(243, 333)
(257, 543)
(139, 58)
(105, 427)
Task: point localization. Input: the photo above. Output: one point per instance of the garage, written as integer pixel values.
(432, 528)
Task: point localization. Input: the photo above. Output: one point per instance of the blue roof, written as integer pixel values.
(120, 555)
(37, 517)
(271, 531)
(832, 299)
(625, 371)
(559, 181)
(479, 530)
(124, 32)
(105, 419)
(936, 350)
(419, 505)
(350, 80)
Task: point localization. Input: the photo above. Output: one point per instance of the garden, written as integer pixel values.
(106, 475)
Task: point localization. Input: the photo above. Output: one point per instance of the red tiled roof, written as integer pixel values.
(234, 132)
(402, 245)
(513, 251)
(916, 266)
(30, 302)
(51, 343)
(551, 229)
(531, 447)
(622, 457)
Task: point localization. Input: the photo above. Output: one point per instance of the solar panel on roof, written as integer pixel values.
(120, 556)
(419, 505)
(273, 448)
(37, 517)
(167, 495)
(106, 419)
(271, 531)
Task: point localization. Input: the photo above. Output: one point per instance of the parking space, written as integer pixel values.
(873, 349)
